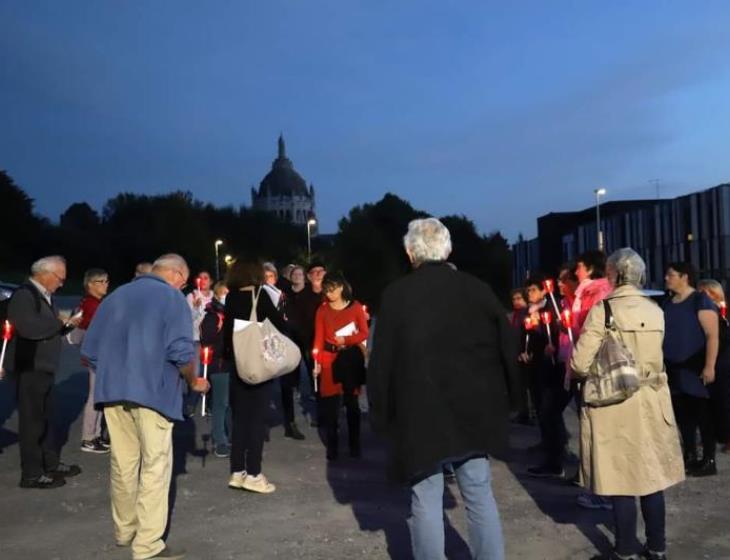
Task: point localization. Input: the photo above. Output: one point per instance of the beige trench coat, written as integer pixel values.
(630, 448)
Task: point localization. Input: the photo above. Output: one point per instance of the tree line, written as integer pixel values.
(131, 228)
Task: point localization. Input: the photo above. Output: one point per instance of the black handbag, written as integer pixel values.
(348, 369)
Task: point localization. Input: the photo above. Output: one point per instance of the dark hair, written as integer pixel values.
(535, 280)
(568, 267)
(338, 279)
(205, 272)
(685, 268)
(315, 264)
(520, 291)
(244, 273)
(595, 261)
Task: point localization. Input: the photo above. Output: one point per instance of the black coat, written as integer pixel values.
(442, 363)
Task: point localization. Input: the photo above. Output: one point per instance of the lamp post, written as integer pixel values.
(218, 243)
(599, 193)
(311, 222)
(228, 260)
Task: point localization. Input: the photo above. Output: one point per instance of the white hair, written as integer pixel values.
(427, 240)
(47, 264)
(629, 266)
(170, 261)
(270, 267)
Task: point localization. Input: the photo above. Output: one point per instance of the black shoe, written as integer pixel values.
(65, 471)
(332, 454)
(169, 553)
(537, 447)
(706, 467)
(690, 462)
(104, 441)
(651, 555)
(44, 482)
(291, 431)
(546, 471)
(94, 446)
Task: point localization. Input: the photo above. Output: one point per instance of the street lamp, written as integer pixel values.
(218, 243)
(599, 193)
(228, 259)
(311, 222)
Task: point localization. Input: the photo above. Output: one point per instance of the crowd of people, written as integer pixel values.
(445, 369)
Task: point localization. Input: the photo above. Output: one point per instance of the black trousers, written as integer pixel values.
(39, 452)
(720, 402)
(330, 410)
(524, 393)
(249, 408)
(553, 400)
(624, 515)
(288, 383)
(693, 412)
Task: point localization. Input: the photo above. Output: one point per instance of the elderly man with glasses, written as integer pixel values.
(33, 312)
(141, 347)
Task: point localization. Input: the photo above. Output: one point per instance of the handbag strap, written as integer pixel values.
(608, 322)
(253, 317)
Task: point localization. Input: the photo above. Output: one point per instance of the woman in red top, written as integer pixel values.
(340, 332)
(96, 285)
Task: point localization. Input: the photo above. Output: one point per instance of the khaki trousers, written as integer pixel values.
(141, 469)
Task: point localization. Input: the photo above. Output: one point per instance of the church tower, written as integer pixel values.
(284, 192)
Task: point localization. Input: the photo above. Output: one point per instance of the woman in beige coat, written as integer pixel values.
(631, 448)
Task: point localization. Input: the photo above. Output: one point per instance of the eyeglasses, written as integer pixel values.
(61, 279)
(100, 281)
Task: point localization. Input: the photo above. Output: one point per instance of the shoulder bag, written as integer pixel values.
(261, 352)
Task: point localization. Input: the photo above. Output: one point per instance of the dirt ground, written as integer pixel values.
(320, 510)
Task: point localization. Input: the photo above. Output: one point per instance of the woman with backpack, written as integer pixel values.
(691, 345)
(211, 335)
(629, 444)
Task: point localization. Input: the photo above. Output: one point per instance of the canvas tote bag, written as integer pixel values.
(261, 351)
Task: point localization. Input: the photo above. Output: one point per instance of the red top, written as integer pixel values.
(327, 322)
(89, 304)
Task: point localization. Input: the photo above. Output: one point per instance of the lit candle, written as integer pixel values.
(528, 328)
(7, 335)
(206, 357)
(547, 318)
(549, 286)
(567, 320)
(315, 353)
(723, 309)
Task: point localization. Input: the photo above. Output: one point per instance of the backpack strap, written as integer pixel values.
(254, 302)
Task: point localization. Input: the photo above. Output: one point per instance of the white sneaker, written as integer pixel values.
(237, 480)
(258, 484)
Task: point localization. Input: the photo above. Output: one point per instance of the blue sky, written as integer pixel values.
(501, 111)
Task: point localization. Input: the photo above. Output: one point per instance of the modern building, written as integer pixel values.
(693, 227)
(284, 192)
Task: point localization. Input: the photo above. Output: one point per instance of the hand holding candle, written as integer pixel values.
(7, 336)
(206, 357)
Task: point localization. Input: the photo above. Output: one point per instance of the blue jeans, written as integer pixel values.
(624, 514)
(220, 410)
(426, 521)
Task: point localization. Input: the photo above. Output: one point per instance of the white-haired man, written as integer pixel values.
(37, 355)
(438, 379)
(141, 347)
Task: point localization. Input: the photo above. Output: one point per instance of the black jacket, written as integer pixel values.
(442, 363)
(211, 334)
(38, 328)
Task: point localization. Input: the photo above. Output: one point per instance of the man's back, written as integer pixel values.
(438, 373)
(139, 337)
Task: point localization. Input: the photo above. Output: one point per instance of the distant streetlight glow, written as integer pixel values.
(311, 222)
(599, 193)
(218, 243)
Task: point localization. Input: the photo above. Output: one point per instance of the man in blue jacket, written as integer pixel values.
(141, 346)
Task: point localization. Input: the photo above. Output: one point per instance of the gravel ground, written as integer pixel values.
(345, 510)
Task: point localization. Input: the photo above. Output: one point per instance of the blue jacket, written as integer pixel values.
(140, 336)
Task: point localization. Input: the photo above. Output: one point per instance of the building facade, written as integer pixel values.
(284, 192)
(693, 227)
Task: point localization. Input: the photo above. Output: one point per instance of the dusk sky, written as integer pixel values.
(501, 111)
